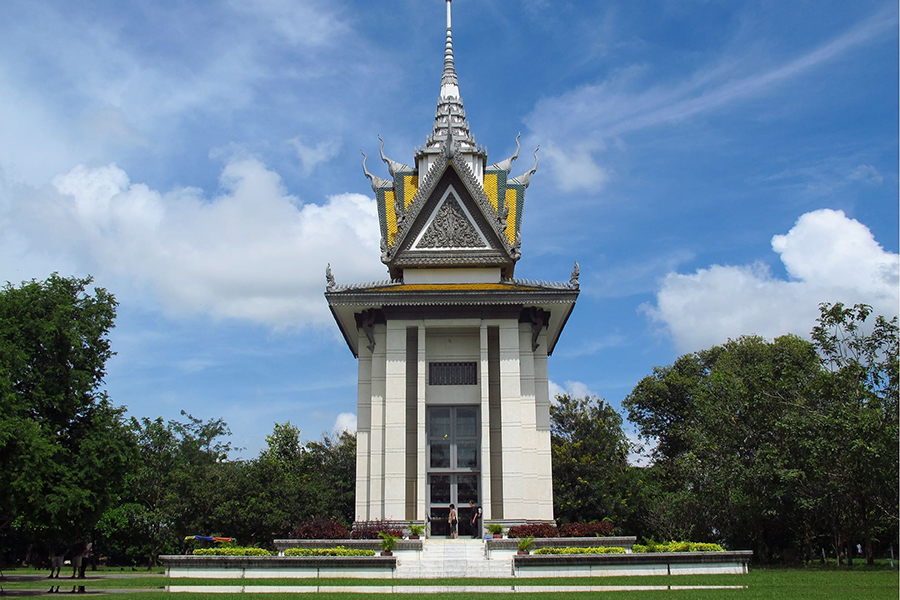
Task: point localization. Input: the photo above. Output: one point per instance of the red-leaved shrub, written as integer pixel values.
(321, 529)
(595, 529)
(369, 530)
(536, 530)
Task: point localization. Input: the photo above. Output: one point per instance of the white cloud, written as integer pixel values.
(575, 389)
(575, 170)
(829, 258)
(589, 116)
(345, 422)
(253, 252)
(866, 174)
(311, 156)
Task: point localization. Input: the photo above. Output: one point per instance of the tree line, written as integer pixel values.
(787, 447)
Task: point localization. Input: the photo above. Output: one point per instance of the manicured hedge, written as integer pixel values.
(231, 552)
(545, 530)
(677, 547)
(596, 550)
(339, 551)
(321, 529)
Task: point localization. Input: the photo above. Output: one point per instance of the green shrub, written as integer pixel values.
(594, 550)
(338, 551)
(388, 541)
(525, 544)
(495, 528)
(673, 546)
(237, 551)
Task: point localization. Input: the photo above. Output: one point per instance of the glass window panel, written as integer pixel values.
(440, 456)
(466, 422)
(467, 488)
(440, 521)
(440, 489)
(466, 455)
(439, 427)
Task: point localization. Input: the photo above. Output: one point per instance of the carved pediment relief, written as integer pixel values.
(450, 227)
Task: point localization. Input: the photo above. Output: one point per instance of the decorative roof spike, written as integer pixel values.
(377, 182)
(526, 178)
(449, 81)
(394, 167)
(506, 165)
(329, 279)
(576, 273)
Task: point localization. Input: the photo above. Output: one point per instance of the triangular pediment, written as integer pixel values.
(447, 225)
(450, 227)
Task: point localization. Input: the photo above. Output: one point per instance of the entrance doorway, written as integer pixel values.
(454, 466)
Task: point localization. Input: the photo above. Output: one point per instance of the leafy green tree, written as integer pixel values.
(64, 448)
(777, 446)
(591, 476)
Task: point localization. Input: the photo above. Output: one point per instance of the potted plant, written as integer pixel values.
(415, 530)
(495, 529)
(388, 543)
(525, 544)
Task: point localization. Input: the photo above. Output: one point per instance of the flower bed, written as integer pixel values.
(677, 547)
(231, 552)
(566, 530)
(338, 551)
(595, 550)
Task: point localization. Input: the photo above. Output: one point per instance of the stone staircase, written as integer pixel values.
(452, 558)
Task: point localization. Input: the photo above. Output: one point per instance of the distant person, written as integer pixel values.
(454, 523)
(59, 557)
(85, 559)
(77, 555)
(477, 523)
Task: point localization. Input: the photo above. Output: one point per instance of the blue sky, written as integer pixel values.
(717, 168)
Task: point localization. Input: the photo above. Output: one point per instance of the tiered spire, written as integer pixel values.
(450, 116)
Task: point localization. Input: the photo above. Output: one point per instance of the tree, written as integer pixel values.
(591, 476)
(64, 448)
(778, 446)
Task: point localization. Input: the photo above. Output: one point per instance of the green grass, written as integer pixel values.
(864, 583)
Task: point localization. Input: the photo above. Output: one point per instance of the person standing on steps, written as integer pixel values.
(477, 513)
(59, 556)
(454, 523)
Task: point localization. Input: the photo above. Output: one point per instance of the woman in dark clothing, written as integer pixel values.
(454, 522)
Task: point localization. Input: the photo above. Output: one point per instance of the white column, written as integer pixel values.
(528, 432)
(511, 419)
(420, 437)
(376, 445)
(485, 426)
(542, 418)
(395, 422)
(363, 428)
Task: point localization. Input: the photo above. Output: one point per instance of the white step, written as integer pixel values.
(453, 558)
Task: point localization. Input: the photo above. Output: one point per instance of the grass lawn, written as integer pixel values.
(762, 583)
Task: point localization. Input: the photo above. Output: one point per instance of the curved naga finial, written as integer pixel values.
(506, 165)
(377, 182)
(394, 167)
(526, 178)
(573, 280)
(329, 279)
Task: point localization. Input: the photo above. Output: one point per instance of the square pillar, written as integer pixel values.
(420, 426)
(395, 422)
(376, 444)
(485, 454)
(363, 428)
(511, 420)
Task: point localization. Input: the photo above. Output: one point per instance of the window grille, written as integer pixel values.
(452, 373)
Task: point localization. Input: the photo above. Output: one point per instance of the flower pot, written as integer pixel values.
(413, 536)
(387, 553)
(522, 552)
(498, 536)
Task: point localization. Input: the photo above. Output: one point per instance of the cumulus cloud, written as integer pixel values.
(311, 156)
(345, 422)
(575, 389)
(252, 252)
(575, 170)
(828, 257)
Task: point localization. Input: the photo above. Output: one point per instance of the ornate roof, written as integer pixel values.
(484, 228)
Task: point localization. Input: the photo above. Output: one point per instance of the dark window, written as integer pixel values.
(452, 373)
